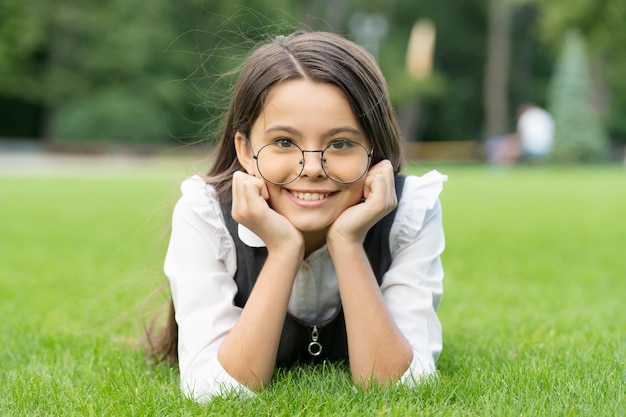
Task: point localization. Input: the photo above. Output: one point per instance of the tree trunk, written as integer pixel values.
(496, 82)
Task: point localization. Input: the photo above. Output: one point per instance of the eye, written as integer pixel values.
(284, 143)
(339, 145)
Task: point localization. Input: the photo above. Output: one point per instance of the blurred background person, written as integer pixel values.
(535, 131)
(503, 149)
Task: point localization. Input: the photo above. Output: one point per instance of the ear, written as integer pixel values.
(244, 153)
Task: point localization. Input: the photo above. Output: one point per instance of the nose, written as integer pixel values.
(313, 165)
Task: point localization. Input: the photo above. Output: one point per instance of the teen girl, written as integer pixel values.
(303, 243)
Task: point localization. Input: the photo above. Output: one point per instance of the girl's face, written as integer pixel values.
(312, 116)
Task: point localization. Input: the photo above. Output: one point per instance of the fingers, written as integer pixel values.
(249, 186)
(250, 208)
(250, 196)
(246, 182)
(380, 182)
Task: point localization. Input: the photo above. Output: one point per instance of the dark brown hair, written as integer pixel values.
(316, 56)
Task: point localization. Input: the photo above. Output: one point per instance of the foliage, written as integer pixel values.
(579, 136)
(530, 326)
(57, 56)
(451, 99)
(602, 24)
(108, 116)
(71, 53)
(93, 60)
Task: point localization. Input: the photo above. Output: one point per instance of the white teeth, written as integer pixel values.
(310, 196)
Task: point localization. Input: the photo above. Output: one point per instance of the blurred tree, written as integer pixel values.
(64, 55)
(579, 135)
(517, 67)
(446, 105)
(136, 70)
(497, 67)
(601, 22)
(21, 37)
(531, 61)
(122, 70)
(87, 63)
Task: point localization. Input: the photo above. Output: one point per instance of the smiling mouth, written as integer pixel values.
(309, 196)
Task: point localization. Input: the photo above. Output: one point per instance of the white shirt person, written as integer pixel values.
(201, 262)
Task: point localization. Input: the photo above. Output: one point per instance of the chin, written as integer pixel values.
(313, 222)
(311, 227)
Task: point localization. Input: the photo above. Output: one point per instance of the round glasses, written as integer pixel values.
(282, 162)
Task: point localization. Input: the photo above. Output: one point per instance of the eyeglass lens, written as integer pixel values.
(343, 162)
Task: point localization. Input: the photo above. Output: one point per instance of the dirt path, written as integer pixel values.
(42, 164)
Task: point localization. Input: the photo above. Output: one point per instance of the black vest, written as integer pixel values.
(297, 335)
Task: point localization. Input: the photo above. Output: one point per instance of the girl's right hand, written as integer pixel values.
(250, 208)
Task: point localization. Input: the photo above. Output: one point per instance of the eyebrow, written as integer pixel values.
(330, 132)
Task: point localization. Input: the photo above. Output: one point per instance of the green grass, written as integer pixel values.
(533, 311)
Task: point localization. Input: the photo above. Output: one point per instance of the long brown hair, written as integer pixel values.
(316, 56)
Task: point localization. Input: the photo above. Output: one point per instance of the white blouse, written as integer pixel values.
(201, 263)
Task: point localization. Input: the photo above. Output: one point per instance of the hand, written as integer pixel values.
(380, 199)
(250, 208)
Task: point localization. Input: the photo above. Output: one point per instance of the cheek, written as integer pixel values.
(347, 198)
(355, 193)
(274, 192)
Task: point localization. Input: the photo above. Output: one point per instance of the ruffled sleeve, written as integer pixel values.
(420, 195)
(200, 265)
(202, 199)
(412, 287)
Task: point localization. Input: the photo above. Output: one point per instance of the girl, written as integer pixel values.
(303, 243)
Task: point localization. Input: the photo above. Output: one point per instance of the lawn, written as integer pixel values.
(533, 311)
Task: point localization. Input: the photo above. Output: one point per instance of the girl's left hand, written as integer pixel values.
(380, 199)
